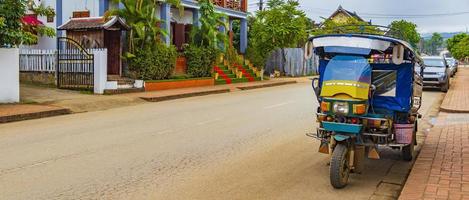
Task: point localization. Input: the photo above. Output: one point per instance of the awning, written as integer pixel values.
(31, 20)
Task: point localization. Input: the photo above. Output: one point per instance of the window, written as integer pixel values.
(81, 14)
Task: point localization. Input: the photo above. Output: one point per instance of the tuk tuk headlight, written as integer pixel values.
(341, 107)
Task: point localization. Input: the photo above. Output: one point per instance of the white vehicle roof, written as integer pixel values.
(433, 57)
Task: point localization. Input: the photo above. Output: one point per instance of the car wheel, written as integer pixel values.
(445, 87)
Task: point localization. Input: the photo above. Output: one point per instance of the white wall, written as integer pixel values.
(9, 76)
(69, 6)
(100, 70)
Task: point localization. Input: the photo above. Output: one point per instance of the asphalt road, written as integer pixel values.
(242, 145)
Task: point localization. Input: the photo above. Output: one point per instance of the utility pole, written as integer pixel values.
(261, 4)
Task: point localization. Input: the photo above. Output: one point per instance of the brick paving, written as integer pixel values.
(457, 98)
(441, 170)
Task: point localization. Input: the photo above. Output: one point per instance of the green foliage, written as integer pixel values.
(432, 45)
(236, 28)
(2, 22)
(148, 57)
(11, 32)
(283, 25)
(41, 30)
(200, 60)
(452, 42)
(406, 31)
(153, 63)
(232, 55)
(458, 45)
(45, 31)
(42, 10)
(351, 25)
(208, 34)
(141, 16)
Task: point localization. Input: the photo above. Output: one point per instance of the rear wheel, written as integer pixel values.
(339, 170)
(408, 151)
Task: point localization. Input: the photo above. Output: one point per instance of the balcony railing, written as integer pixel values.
(239, 5)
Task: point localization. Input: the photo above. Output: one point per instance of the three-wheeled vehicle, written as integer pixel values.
(369, 94)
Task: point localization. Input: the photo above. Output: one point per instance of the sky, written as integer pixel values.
(375, 10)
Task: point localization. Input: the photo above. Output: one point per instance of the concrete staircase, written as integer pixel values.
(228, 76)
(124, 85)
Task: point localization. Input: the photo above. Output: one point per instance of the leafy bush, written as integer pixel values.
(200, 60)
(232, 55)
(153, 64)
(11, 29)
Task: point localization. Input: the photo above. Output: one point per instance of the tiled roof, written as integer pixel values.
(93, 23)
(352, 14)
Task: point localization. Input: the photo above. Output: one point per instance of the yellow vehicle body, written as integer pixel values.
(354, 89)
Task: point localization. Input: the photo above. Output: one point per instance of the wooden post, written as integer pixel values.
(244, 5)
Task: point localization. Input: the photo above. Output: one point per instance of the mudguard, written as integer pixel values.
(341, 138)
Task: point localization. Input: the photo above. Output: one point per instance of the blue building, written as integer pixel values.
(175, 23)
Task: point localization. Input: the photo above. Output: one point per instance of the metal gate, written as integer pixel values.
(75, 65)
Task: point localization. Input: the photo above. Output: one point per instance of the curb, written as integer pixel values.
(449, 110)
(185, 95)
(36, 115)
(266, 85)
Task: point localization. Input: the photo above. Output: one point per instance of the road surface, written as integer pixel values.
(242, 145)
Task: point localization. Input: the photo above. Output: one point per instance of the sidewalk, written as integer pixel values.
(18, 112)
(442, 167)
(441, 170)
(457, 98)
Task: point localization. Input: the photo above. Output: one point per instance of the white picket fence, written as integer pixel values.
(38, 60)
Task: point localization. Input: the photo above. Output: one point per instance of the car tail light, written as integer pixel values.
(325, 106)
(359, 109)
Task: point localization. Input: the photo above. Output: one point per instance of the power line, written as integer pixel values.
(393, 16)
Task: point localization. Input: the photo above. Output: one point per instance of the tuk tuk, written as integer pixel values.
(369, 91)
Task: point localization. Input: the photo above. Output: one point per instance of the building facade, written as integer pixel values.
(175, 23)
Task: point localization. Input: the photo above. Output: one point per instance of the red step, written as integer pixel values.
(222, 74)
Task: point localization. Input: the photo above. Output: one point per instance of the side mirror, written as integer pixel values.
(316, 88)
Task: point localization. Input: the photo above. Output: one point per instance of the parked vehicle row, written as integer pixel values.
(438, 71)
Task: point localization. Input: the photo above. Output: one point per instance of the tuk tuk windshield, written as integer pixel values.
(348, 68)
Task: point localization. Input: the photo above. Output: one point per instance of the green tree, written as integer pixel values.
(282, 25)
(351, 25)
(207, 41)
(208, 33)
(147, 56)
(433, 44)
(458, 45)
(141, 16)
(11, 31)
(40, 30)
(452, 42)
(406, 31)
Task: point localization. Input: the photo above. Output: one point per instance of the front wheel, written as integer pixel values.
(445, 87)
(339, 170)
